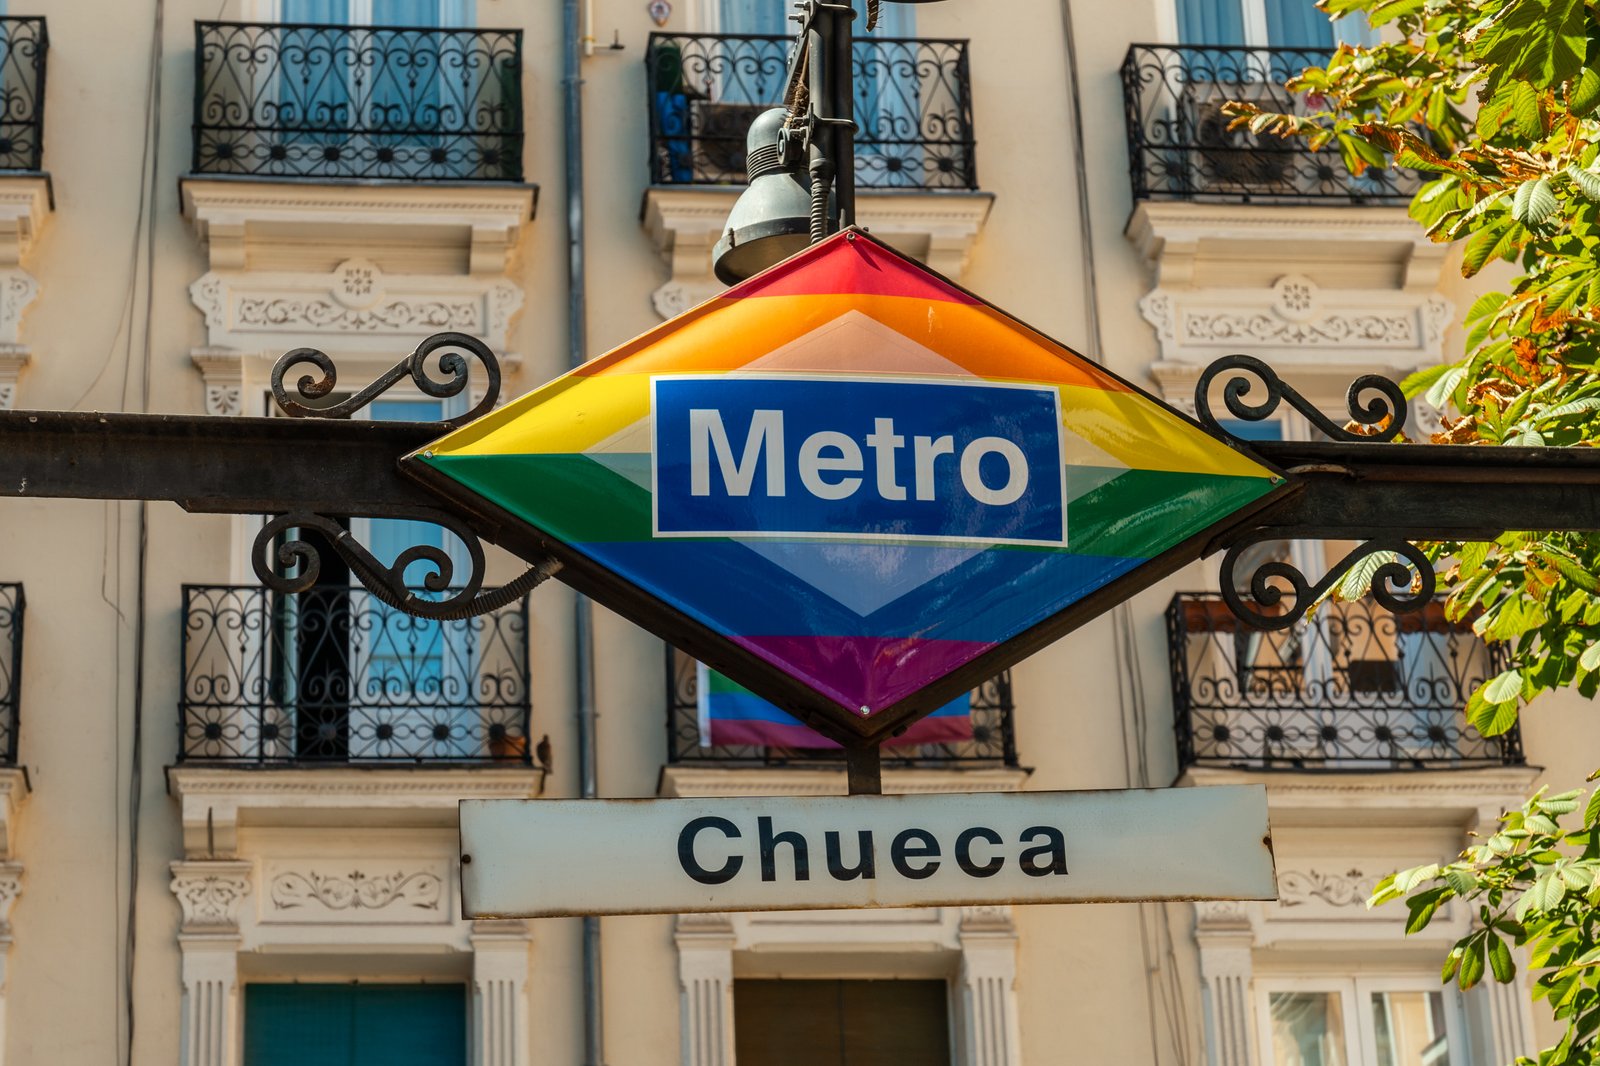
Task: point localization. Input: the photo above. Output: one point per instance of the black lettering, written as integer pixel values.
(964, 849)
(691, 865)
(866, 866)
(1055, 847)
(902, 850)
(769, 842)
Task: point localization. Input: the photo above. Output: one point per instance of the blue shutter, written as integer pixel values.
(355, 1025)
(1211, 22)
(326, 12)
(1297, 24)
(755, 16)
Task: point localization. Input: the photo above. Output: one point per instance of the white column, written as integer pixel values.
(500, 961)
(10, 889)
(1225, 938)
(210, 894)
(989, 1027)
(705, 975)
(1506, 1017)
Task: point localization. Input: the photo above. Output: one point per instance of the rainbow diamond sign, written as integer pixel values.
(851, 486)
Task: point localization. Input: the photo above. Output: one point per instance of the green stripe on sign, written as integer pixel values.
(570, 497)
(1142, 513)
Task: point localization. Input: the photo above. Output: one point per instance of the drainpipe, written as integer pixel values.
(583, 621)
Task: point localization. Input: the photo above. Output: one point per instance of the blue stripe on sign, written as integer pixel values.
(748, 707)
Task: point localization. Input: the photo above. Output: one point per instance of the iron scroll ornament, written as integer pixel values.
(388, 583)
(1382, 415)
(451, 363)
(1402, 584)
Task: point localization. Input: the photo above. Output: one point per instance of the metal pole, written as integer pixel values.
(864, 770)
(583, 615)
(841, 106)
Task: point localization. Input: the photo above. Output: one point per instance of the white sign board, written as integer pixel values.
(552, 858)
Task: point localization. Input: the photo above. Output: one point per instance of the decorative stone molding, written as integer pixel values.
(347, 892)
(356, 307)
(701, 782)
(1350, 888)
(223, 371)
(25, 207)
(685, 223)
(989, 1025)
(13, 790)
(1235, 278)
(211, 893)
(418, 224)
(212, 801)
(1298, 321)
(501, 958)
(705, 979)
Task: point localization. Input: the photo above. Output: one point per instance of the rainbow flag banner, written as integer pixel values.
(850, 485)
(732, 715)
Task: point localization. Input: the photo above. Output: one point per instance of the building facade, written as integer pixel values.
(227, 819)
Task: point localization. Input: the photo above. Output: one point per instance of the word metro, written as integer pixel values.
(548, 858)
(862, 459)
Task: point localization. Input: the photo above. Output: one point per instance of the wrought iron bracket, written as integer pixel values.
(1376, 404)
(1403, 583)
(416, 366)
(281, 547)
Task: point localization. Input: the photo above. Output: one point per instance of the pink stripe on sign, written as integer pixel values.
(945, 729)
(870, 672)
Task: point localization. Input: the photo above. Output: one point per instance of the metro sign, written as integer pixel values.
(851, 486)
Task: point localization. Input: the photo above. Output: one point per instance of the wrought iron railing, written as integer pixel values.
(304, 101)
(913, 104)
(12, 603)
(1351, 687)
(993, 741)
(24, 47)
(1180, 146)
(335, 676)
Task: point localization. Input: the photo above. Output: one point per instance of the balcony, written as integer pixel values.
(913, 104)
(333, 677)
(12, 603)
(357, 102)
(992, 744)
(24, 45)
(1352, 688)
(1180, 147)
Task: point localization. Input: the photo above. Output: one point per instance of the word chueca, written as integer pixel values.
(714, 851)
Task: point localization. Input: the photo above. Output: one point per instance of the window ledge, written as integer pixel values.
(215, 802)
(938, 227)
(696, 782)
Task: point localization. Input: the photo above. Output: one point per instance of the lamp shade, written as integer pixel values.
(771, 220)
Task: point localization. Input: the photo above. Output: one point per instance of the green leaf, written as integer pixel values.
(1586, 181)
(1528, 438)
(1503, 687)
(1472, 960)
(1461, 882)
(1585, 92)
(1440, 391)
(1590, 659)
(1534, 202)
(1358, 582)
(1591, 811)
(1500, 962)
(1423, 906)
(1525, 110)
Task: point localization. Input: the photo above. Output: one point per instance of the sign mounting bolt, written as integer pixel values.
(865, 711)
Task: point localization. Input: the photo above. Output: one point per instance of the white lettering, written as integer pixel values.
(884, 442)
(707, 433)
(929, 449)
(813, 464)
(1016, 476)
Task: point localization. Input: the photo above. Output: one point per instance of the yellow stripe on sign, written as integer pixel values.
(574, 413)
(1146, 437)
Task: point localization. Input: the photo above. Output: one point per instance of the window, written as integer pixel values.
(1272, 23)
(841, 1023)
(355, 1025)
(1358, 1022)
